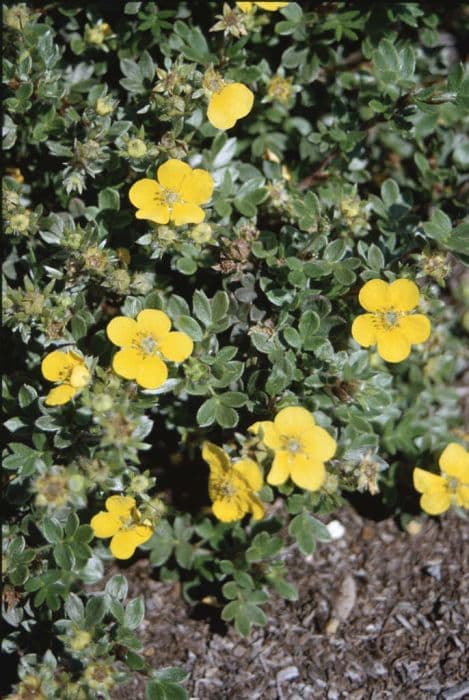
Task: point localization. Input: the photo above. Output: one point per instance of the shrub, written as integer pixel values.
(234, 294)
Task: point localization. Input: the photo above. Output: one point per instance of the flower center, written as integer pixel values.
(293, 446)
(453, 483)
(388, 318)
(148, 345)
(170, 197)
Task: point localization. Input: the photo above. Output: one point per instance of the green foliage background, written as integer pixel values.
(360, 173)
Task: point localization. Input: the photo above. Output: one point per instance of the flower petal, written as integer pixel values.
(228, 509)
(318, 444)
(126, 362)
(364, 330)
(373, 296)
(231, 103)
(187, 214)
(60, 395)
(151, 372)
(245, 6)
(197, 187)
(425, 482)
(403, 295)
(142, 533)
(392, 345)
(435, 502)
(216, 458)
(462, 496)
(257, 508)
(159, 214)
(173, 173)
(280, 470)
(415, 327)
(454, 461)
(271, 6)
(80, 376)
(121, 330)
(105, 524)
(176, 346)
(145, 194)
(54, 365)
(120, 505)
(154, 322)
(307, 473)
(293, 421)
(270, 436)
(124, 543)
(250, 472)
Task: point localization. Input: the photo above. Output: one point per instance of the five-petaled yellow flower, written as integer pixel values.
(69, 369)
(175, 197)
(123, 523)
(301, 447)
(270, 6)
(390, 325)
(230, 103)
(438, 492)
(232, 485)
(143, 342)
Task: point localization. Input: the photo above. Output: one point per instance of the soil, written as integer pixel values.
(381, 615)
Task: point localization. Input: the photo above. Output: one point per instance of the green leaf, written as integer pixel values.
(225, 416)
(188, 325)
(439, 226)
(162, 690)
(201, 306)
(206, 413)
(117, 587)
(52, 530)
(109, 199)
(75, 609)
(308, 325)
(134, 613)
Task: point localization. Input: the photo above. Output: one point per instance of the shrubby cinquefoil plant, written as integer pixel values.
(235, 257)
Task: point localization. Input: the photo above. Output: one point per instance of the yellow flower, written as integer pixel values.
(438, 492)
(123, 523)
(269, 6)
(67, 368)
(80, 640)
(176, 195)
(390, 325)
(232, 485)
(143, 341)
(301, 447)
(230, 103)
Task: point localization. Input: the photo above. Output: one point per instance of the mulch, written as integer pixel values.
(381, 615)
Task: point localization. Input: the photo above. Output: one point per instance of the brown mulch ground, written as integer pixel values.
(404, 606)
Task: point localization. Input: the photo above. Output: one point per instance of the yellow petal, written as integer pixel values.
(172, 174)
(280, 470)
(435, 502)
(120, 505)
(104, 524)
(318, 444)
(257, 508)
(80, 376)
(364, 330)
(142, 533)
(60, 395)
(54, 365)
(425, 482)
(216, 458)
(231, 103)
(415, 327)
(126, 362)
(154, 322)
(271, 6)
(266, 431)
(228, 510)
(462, 496)
(392, 345)
(245, 6)
(151, 372)
(403, 295)
(146, 194)
(121, 331)
(307, 473)
(454, 461)
(187, 214)
(159, 214)
(250, 472)
(197, 187)
(293, 421)
(176, 346)
(124, 543)
(373, 295)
